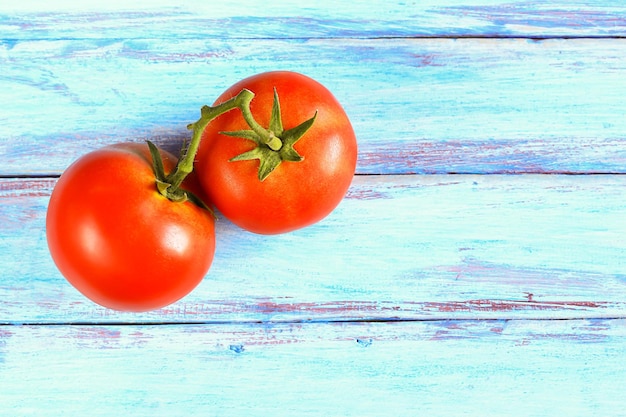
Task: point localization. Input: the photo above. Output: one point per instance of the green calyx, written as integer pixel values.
(274, 145)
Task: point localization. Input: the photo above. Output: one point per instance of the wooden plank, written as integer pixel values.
(418, 106)
(514, 368)
(397, 248)
(323, 19)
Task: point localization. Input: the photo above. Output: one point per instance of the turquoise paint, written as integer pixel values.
(418, 105)
(456, 278)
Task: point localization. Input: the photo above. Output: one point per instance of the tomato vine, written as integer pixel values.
(274, 144)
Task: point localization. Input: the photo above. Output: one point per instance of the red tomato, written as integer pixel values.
(120, 242)
(295, 194)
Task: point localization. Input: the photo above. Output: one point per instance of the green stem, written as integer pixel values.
(271, 149)
(207, 114)
(170, 185)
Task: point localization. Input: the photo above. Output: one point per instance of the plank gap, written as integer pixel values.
(309, 321)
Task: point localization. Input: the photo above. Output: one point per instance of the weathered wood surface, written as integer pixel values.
(526, 368)
(429, 294)
(251, 19)
(398, 247)
(418, 105)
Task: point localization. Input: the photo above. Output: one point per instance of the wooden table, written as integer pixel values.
(477, 265)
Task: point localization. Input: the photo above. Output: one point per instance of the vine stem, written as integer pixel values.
(170, 185)
(274, 145)
(185, 164)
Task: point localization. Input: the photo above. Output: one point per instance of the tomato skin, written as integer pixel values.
(117, 240)
(295, 194)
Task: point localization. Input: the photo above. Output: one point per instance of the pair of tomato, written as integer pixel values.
(126, 246)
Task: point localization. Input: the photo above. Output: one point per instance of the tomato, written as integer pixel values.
(117, 240)
(295, 194)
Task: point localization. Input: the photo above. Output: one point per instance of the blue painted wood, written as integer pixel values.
(398, 247)
(420, 295)
(288, 19)
(418, 106)
(525, 368)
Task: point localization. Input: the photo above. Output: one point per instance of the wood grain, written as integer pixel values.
(250, 19)
(418, 106)
(529, 368)
(462, 290)
(398, 247)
